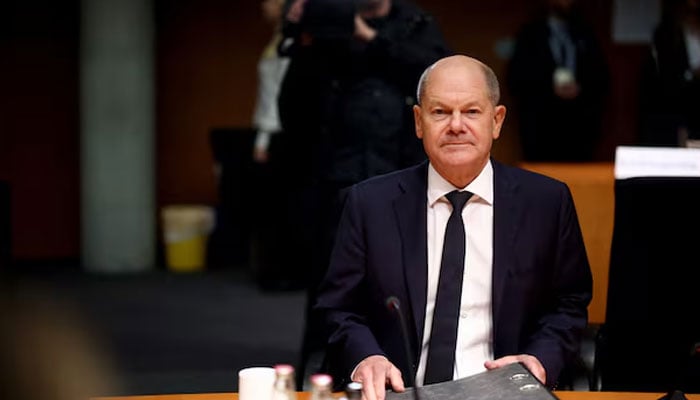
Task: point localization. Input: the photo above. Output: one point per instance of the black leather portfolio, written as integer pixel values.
(512, 382)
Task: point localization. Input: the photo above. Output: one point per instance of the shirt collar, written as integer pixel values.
(481, 186)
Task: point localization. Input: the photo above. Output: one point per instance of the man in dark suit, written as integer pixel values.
(526, 281)
(670, 80)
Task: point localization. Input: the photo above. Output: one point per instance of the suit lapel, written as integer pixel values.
(411, 214)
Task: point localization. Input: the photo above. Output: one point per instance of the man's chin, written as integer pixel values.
(461, 161)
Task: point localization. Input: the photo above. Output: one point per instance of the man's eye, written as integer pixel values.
(472, 112)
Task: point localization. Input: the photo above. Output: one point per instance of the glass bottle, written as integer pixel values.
(284, 387)
(321, 387)
(353, 391)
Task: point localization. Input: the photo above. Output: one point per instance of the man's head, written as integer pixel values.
(458, 116)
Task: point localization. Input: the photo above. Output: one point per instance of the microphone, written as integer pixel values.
(393, 304)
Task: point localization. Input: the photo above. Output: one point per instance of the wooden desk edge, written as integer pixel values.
(561, 394)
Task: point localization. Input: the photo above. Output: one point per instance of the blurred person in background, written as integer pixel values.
(559, 80)
(670, 84)
(271, 70)
(346, 104)
(273, 159)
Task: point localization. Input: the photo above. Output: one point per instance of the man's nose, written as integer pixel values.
(456, 122)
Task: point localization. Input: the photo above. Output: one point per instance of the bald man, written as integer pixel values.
(526, 283)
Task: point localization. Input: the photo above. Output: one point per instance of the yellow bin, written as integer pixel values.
(186, 229)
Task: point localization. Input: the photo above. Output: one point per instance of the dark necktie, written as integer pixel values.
(443, 338)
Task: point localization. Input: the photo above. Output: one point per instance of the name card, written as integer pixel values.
(634, 162)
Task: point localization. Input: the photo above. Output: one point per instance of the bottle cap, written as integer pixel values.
(284, 369)
(323, 380)
(353, 390)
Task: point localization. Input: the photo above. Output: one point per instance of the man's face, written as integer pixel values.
(456, 120)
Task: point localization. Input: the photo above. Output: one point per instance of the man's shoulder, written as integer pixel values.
(524, 177)
(402, 178)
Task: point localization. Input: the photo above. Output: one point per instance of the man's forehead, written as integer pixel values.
(456, 98)
(457, 83)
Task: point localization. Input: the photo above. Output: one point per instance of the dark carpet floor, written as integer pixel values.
(167, 332)
(182, 333)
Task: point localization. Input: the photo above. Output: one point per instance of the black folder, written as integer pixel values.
(512, 382)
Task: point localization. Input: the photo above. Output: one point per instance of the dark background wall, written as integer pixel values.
(206, 55)
(39, 125)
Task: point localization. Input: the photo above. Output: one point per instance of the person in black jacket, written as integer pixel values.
(670, 87)
(559, 80)
(345, 106)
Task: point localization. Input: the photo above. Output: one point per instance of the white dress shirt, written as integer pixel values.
(475, 327)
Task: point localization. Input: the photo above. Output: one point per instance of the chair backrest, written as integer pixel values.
(652, 327)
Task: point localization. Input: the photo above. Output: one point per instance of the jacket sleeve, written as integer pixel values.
(556, 340)
(342, 302)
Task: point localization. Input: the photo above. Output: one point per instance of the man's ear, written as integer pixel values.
(417, 121)
(498, 117)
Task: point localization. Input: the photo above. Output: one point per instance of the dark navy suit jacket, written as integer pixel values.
(542, 282)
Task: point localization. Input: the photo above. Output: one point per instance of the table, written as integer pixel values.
(563, 395)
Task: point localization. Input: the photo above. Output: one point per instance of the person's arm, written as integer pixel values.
(556, 341)
(375, 373)
(530, 362)
(266, 118)
(529, 71)
(292, 14)
(404, 47)
(593, 75)
(343, 303)
(262, 143)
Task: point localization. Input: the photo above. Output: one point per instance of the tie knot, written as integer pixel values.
(458, 199)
